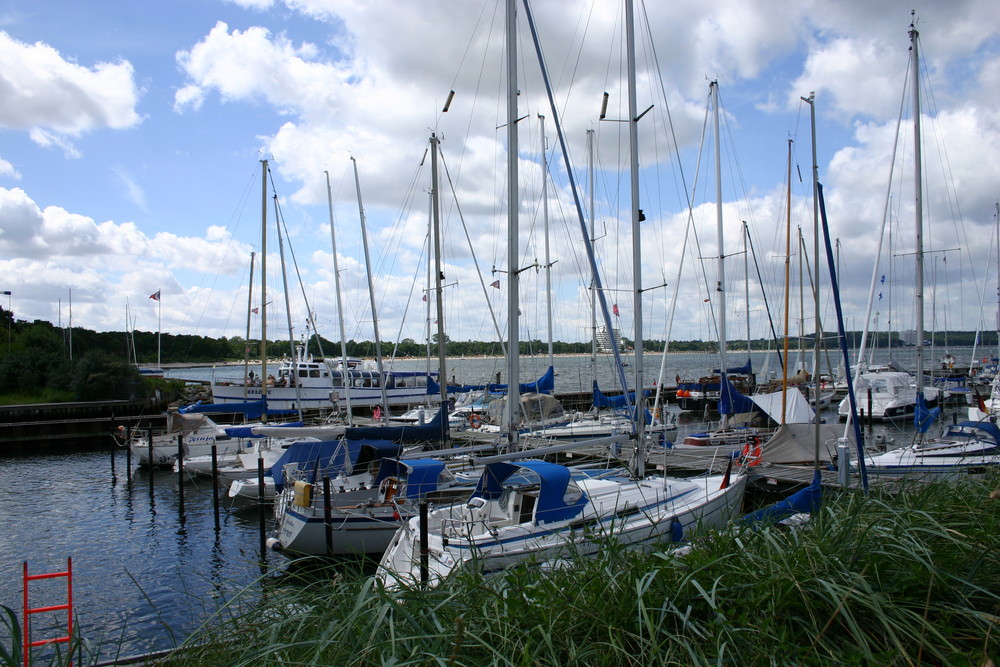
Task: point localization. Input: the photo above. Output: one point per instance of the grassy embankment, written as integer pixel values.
(911, 578)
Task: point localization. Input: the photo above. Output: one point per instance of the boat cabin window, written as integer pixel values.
(573, 493)
(314, 373)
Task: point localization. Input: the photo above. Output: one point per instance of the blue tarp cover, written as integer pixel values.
(552, 479)
(543, 385)
(252, 409)
(803, 500)
(435, 429)
(421, 475)
(923, 417)
(247, 431)
(745, 369)
(732, 402)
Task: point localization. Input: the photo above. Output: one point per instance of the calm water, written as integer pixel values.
(148, 571)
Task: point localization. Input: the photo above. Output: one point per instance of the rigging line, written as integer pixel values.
(767, 308)
(475, 259)
(577, 203)
(878, 251)
(279, 213)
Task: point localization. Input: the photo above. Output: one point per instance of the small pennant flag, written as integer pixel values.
(424, 298)
(255, 311)
(614, 309)
(495, 283)
(155, 296)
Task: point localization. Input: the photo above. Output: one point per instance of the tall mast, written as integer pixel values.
(548, 261)
(438, 286)
(513, 407)
(720, 286)
(788, 268)
(344, 372)
(918, 209)
(593, 285)
(371, 295)
(818, 333)
(288, 309)
(263, 284)
(246, 347)
(633, 151)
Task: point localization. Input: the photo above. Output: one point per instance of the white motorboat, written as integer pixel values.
(309, 383)
(966, 448)
(198, 431)
(887, 395)
(535, 511)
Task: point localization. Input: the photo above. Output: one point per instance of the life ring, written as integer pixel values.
(752, 451)
(475, 421)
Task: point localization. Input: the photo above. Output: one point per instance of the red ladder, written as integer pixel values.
(68, 607)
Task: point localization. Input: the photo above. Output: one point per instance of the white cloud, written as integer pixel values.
(8, 170)
(54, 98)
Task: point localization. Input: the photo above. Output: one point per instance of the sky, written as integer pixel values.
(132, 134)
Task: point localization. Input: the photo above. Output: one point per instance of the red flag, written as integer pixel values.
(495, 283)
(255, 311)
(155, 296)
(614, 309)
(424, 297)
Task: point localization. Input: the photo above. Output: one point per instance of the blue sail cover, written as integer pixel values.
(603, 401)
(251, 409)
(435, 429)
(552, 478)
(421, 475)
(923, 417)
(746, 369)
(247, 431)
(732, 402)
(328, 455)
(804, 500)
(543, 385)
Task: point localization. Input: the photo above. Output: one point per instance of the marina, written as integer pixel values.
(150, 566)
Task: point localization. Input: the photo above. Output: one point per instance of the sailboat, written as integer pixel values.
(537, 511)
(967, 447)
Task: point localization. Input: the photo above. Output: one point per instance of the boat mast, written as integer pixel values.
(593, 285)
(371, 296)
(513, 406)
(633, 141)
(246, 348)
(788, 268)
(918, 210)
(263, 287)
(438, 286)
(288, 313)
(548, 261)
(818, 333)
(345, 378)
(720, 285)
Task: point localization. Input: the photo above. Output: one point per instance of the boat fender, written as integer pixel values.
(475, 421)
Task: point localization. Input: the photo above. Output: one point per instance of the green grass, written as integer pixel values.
(905, 579)
(40, 396)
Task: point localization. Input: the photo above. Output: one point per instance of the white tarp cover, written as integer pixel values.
(796, 443)
(797, 408)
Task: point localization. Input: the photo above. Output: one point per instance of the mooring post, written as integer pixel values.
(260, 508)
(129, 434)
(180, 470)
(424, 547)
(215, 484)
(328, 516)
